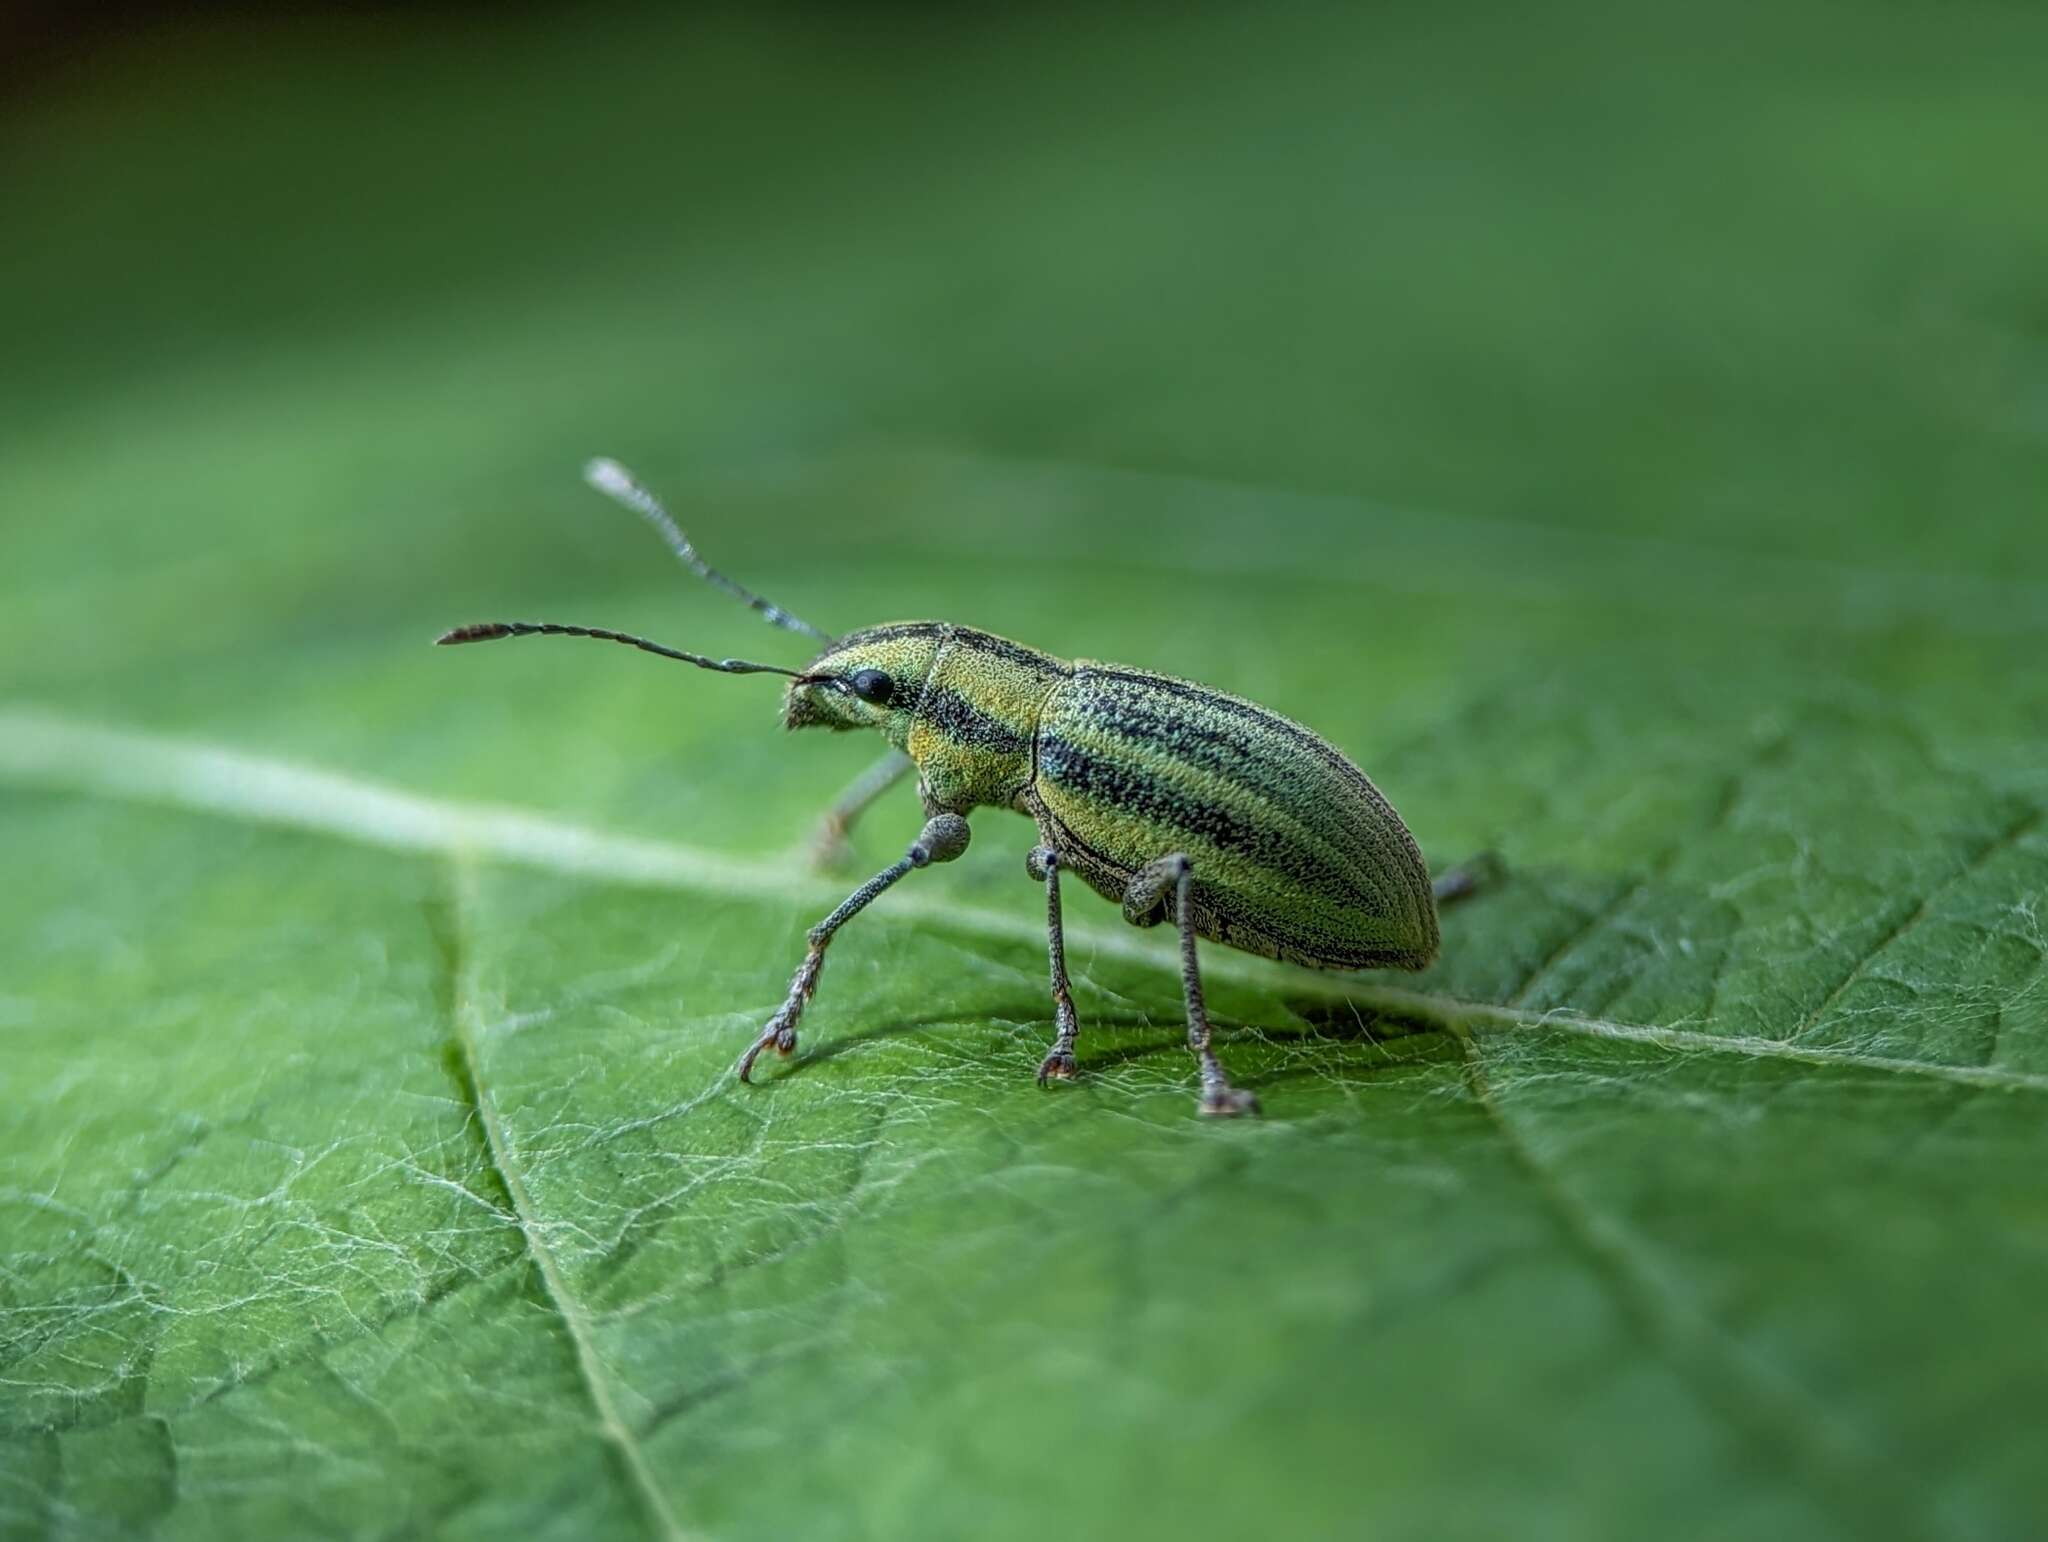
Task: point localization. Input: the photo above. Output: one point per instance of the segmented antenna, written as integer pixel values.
(616, 482)
(491, 631)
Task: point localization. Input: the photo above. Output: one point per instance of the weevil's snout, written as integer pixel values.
(808, 703)
(869, 679)
(859, 698)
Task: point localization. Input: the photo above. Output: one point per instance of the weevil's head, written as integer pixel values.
(867, 679)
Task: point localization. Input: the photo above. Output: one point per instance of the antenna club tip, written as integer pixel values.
(608, 476)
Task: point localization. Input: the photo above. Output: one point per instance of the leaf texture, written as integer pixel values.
(370, 1159)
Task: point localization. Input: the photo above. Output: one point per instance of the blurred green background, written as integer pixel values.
(1623, 429)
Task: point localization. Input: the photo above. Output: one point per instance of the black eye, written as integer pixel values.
(872, 685)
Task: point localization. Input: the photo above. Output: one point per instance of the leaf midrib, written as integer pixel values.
(39, 747)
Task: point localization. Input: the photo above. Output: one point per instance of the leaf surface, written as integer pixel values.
(370, 1161)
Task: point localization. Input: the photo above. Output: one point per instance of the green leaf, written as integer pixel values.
(1630, 453)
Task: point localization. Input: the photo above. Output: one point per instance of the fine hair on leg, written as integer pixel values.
(943, 838)
(1044, 863)
(1142, 900)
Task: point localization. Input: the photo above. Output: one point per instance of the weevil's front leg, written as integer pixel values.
(829, 844)
(943, 838)
(1043, 863)
(1467, 878)
(1144, 898)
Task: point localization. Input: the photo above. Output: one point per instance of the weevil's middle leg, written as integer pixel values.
(1143, 898)
(1043, 863)
(829, 844)
(943, 838)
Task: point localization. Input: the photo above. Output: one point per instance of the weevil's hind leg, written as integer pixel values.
(1043, 863)
(1143, 900)
(943, 838)
(829, 846)
(1468, 878)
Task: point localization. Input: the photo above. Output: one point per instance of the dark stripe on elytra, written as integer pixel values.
(964, 723)
(1124, 715)
(1322, 815)
(1123, 790)
(1271, 937)
(1235, 756)
(1244, 711)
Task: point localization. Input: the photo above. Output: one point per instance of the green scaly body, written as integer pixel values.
(1296, 855)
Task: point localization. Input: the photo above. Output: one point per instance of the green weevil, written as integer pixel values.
(1177, 801)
